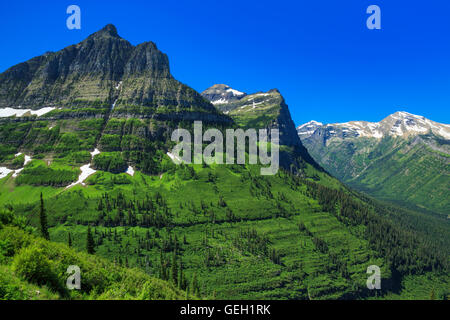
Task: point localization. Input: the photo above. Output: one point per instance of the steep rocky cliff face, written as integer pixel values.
(101, 70)
(85, 72)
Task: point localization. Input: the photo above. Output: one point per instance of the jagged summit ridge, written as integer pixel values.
(109, 30)
(399, 124)
(308, 128)
(102, 69)
(222, 94)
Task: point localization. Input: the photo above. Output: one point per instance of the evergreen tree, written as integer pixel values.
(69, 240)
(174, 270)
(90, 245)
(432, 295)
(181, 280)
(43, 220)
(195, 287)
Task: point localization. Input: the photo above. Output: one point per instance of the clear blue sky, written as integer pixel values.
(319, 54)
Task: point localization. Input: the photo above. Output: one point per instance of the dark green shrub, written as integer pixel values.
(110, 142)
(42, 175)
(80, 157)
(18, 161)
(32, 264)
(111, 162)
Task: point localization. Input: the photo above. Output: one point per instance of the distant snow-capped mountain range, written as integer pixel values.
(404, 157)
(400, 124)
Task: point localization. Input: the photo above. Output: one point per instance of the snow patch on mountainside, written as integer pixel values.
(307, 129)
(222, 94)
(220, 101)
(25, 162)
(130, 171)
(9, 112)
(310, 123)
(95, 152)
(16, 172)
(4, 172)
(445, 134)
(253, 105)
(235, 92)
(86, 171)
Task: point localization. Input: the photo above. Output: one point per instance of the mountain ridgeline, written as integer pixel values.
(263, 110)
(102, 69)
(89, 128)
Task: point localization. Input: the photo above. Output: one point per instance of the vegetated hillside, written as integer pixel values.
(32, 268)
(242, 235)
(404, 158)
(219, 231)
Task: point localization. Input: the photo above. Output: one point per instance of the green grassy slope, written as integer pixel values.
(417, 175)
(406, 171)
(241, 235)
(32, 268)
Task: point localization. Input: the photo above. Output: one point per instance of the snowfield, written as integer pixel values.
(86, 171)
(4, 172)
(130, 171)
(9, 112)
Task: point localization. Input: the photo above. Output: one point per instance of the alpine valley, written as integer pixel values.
(403, 158)
(86, 179)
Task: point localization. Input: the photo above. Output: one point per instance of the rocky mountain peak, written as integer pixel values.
(402, 123)
(222, 94)
(398, 124)
(108, 31)
(91, 71)
(308, 128)
(146, 58)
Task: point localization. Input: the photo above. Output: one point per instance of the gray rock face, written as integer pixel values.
(146, 59)
(102, 69)
(84, 71)
(307, 129)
